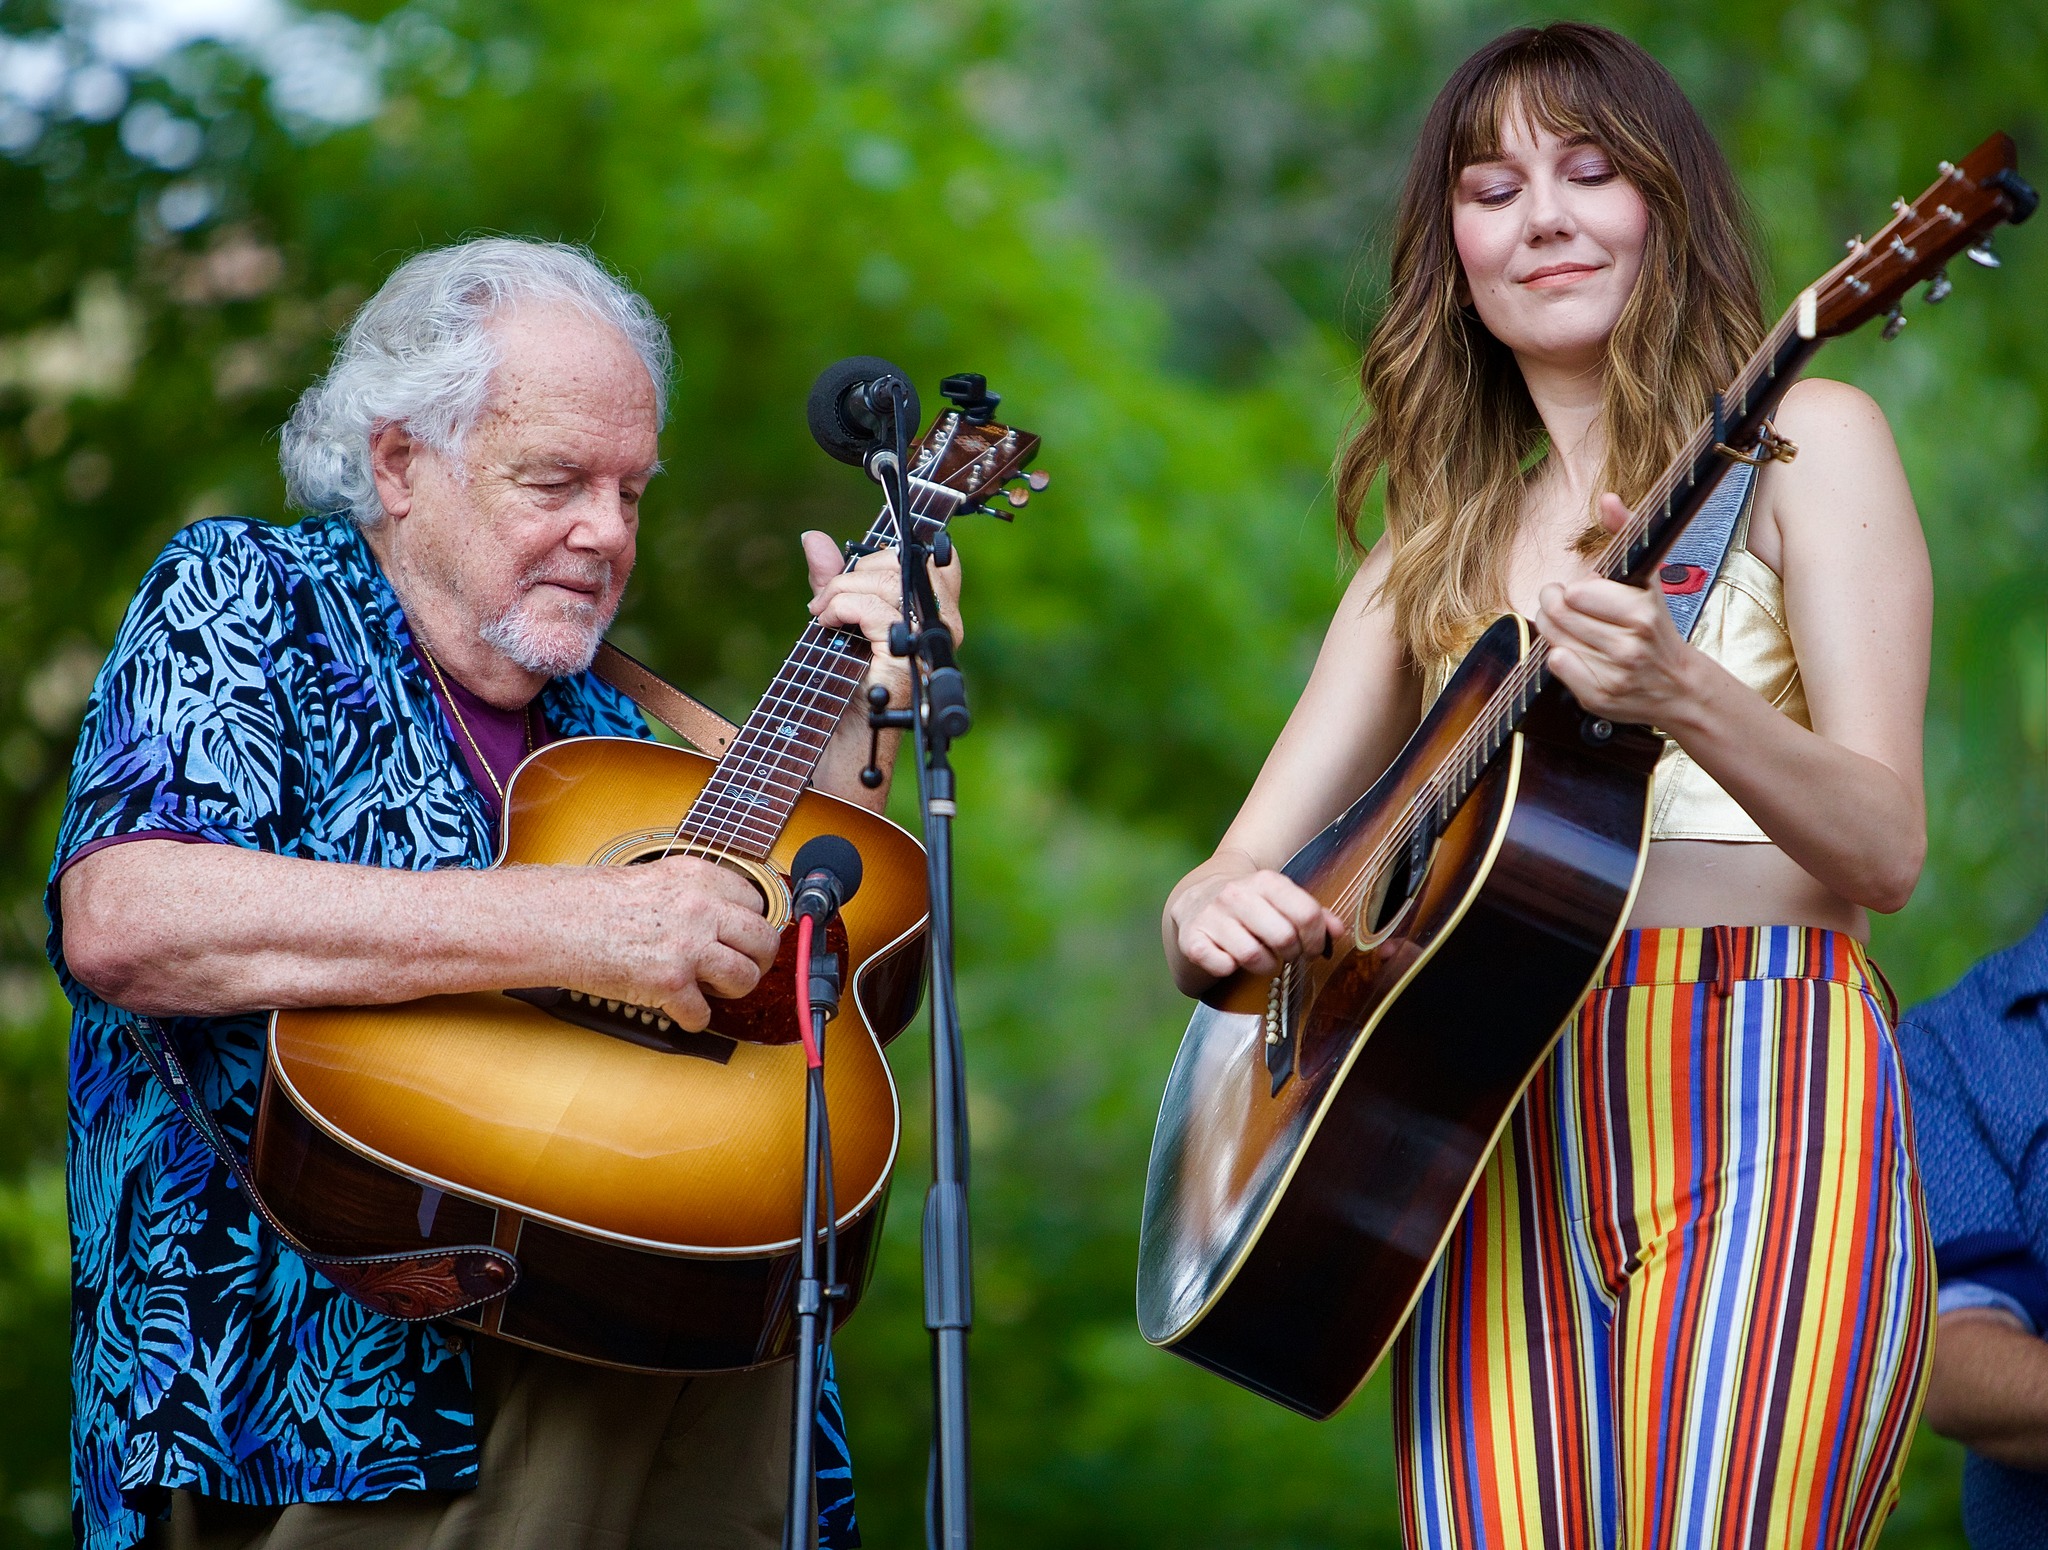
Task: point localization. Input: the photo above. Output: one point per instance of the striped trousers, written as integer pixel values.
(1690, 1302)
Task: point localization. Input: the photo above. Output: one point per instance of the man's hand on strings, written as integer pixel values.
(868, 597)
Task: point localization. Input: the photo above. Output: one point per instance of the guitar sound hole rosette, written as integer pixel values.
(653, 844)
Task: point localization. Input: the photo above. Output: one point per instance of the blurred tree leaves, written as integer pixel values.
(1149, 222)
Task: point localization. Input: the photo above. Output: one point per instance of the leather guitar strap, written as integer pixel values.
(690, 719)
(412, 1286)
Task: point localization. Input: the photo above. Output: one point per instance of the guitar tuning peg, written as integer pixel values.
(1894, 322)
(1037, 480)
(1938, 288)
(1982, 254)
(1017, 498)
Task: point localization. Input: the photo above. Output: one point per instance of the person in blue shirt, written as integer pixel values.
(1977, 1064)
(285, 794)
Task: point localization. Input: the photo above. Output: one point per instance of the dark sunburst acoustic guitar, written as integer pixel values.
(647, 1180)
(1322, 1130)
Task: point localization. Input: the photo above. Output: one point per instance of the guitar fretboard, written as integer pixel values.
(743, 807)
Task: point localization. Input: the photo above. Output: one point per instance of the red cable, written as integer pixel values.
(804, 926)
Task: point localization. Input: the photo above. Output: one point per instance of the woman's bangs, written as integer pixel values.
(1541, 88)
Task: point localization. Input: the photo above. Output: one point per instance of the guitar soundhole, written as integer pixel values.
(1390, 895)
(654, 844)
(766, 902)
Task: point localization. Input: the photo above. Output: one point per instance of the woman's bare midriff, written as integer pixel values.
(1719, 883)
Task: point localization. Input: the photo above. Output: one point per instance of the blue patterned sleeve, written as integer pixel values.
(1982, 1252)
(189, 731)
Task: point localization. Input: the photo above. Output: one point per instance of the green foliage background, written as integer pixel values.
(1150, 222)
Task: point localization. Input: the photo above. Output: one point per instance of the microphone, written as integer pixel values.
(827, 872)
(854, 404)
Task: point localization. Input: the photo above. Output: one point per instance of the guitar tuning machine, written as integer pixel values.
(1981, 255)
(1938, 289)
(1894, 322)
(1036, 480)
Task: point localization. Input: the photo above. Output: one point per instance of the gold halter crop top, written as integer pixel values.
(1743, 628)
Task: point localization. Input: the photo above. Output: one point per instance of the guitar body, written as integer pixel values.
(1321, 1132)
(649, 1181)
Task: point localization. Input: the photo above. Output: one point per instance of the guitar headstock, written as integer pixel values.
(977, 460)
(1956, 215)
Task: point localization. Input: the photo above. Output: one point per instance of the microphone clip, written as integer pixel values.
(881, 719)
(824, 980)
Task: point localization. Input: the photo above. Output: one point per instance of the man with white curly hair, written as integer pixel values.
(286, 794)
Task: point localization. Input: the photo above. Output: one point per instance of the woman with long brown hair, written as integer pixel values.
(1689, 1301)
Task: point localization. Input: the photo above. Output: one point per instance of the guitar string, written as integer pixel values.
(723, 814)
(716, 820)
(1612, 559)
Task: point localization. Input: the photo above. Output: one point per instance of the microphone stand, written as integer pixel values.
(820, 966)
(937, 714)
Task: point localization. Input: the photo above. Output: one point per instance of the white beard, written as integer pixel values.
(558, 649)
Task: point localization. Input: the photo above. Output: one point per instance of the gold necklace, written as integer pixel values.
(448, 699)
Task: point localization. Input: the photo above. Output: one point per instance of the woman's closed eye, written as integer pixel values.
(1492, 192)
(1592, 171)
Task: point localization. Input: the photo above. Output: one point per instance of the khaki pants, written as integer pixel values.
(575, 1457)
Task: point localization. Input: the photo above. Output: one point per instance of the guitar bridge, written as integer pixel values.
(1285, 994)
(647, 1026)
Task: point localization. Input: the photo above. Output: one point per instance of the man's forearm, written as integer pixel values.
(162, 927)
(1989, 1390)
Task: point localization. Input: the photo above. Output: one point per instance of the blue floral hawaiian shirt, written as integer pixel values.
(262, 692)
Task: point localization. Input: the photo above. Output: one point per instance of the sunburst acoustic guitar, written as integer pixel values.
(1321, 1130)
(646, 1179)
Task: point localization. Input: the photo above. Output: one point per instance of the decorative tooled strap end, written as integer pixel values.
(415, 1287)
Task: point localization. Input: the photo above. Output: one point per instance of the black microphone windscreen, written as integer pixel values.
(827, 409)
(829, 853)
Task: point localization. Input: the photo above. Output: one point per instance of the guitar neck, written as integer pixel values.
(743, 807)
(1738, 421)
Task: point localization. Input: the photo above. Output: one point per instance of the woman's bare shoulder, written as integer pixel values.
(1837, 416)
(1363, 635)
(1845, 481)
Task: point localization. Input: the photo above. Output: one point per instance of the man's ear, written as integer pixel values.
(392, 467)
